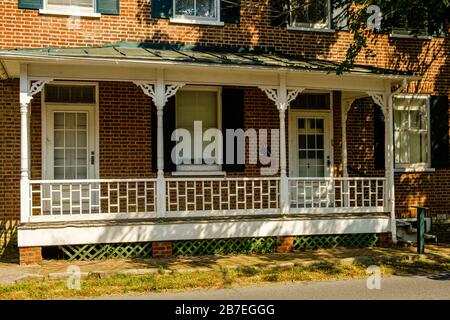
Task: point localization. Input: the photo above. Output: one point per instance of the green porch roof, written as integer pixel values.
(192, 55)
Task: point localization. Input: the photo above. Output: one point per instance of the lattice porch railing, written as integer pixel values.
(92, 199)
(337, 195)
(222, 196)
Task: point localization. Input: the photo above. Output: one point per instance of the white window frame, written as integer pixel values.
(46, 153)
(312, 27)
(421, 166)
(70, 10)
(202, 169)
(177, 18)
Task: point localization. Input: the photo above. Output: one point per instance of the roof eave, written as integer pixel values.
(24, 58)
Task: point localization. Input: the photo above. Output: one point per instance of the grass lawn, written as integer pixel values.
(164, 282)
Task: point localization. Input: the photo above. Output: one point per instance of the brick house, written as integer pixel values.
(91, 91)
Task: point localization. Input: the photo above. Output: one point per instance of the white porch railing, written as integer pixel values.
(310, 195)
(222, 196)
(92, 199)
(66, 200)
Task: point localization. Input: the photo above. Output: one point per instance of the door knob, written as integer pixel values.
(92, 158)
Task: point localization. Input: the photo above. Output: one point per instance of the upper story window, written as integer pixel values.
(311, 14)
(422, 20)
(82, 6)
(411, 132)
(196, 10)
(408, 24)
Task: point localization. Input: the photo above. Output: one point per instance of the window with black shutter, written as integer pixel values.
(310, 14)
(212, 12)
(73, 7)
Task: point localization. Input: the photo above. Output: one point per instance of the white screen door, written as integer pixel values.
(71, 143)
(310, 147)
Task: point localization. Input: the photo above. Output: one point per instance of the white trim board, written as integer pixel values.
(144, 232)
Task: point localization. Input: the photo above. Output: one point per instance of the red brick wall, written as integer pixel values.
(125, 131)
(260, 113)
(9, 162)
(9, 150)
(26, 28)
(360, 140)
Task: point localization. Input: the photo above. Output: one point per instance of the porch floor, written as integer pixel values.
(266, 217)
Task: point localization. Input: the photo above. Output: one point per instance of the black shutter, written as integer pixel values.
(232, 118)
(378, 135)
(169, 125)
(230, 11)
(30, 4)
(339, 14)
(279, 12)
(108, 7)
(161, 9)
(439, 132)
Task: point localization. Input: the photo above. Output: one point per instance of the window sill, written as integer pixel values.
(311, 29)
(406, 36)
(199, 22)
(70, 13)
(198, 173)
(414, 170)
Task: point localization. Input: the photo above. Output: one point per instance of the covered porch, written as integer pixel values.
(172, 204)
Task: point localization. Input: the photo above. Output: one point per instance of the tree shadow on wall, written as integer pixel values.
(255, 30)
(8, 241)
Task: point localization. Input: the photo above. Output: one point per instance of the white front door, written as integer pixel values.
(310, 145)
(71, 150)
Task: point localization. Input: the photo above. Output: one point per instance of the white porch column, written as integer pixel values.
(346, 104)
(160, 92)
(25, 100)
(385, 102)
(282, 96)
(27, 90)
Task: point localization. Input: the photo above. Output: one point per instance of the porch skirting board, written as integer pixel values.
(51, 234)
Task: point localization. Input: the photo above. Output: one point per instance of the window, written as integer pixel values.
(70, 94)
(196, 10)
(69, 6)
(311, 14)
(198, 105)
(411, 132)
(409, 24)
(312, 101)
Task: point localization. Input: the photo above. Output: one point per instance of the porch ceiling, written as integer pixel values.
(190, 56)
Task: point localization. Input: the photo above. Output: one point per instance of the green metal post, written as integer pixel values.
(420, 230)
